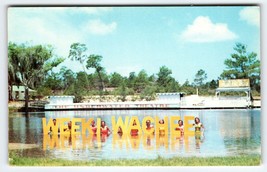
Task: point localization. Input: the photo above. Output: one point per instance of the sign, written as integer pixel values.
(234, 83)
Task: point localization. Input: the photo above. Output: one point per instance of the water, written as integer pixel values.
(227, 133)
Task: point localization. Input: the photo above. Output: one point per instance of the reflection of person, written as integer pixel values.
(162, 128)
(180, 127)
(199, 138)
(120, 131)
(134, 132)
(93, 127)
(198, 125)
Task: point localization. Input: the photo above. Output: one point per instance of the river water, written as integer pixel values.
(227, 133)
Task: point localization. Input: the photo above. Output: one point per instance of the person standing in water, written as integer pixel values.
(104, 129)
(180, 127)
(198, 125)
(93, 127)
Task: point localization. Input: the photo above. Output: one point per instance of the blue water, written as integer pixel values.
(227, 133)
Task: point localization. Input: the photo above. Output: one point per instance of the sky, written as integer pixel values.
(183, 38)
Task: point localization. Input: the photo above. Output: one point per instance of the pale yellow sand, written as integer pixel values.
(14, 146)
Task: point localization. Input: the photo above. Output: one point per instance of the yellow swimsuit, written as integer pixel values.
(198, 127)
(161, 130)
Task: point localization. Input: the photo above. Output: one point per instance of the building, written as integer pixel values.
(170, 97)
(18, 92)
(235, 85)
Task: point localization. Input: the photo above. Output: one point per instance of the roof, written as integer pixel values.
(234, 89)
(61, 96)
(20, 88)
(163, 94)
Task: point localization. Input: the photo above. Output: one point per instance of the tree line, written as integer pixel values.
(31, 66)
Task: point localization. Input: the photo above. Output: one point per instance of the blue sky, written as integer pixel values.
(185, 39)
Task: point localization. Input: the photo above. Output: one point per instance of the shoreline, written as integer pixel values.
(239, 160)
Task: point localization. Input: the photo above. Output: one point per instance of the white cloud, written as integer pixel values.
(52, 26)
(204, 30)
(100, 28)
(42, 30)
(251, 15)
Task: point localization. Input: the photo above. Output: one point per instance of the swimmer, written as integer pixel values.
(180, 127)
(54, 123)
(162, 128)
(134, 132)
(93, 127)
(148, 125)
(198, 125)
(104, 129)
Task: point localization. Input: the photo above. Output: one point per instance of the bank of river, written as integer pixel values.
(245, 160)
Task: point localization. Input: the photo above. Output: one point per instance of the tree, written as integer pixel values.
(243, 65)
(31, 64)
(213, 84)
(93, 61)
(141, 81)
(131, 80)
(53, 82)
(116, 79)
(164, 76)
(12, 65)
(187, 88)
(67, 77)
(77, 52)
(200, 77)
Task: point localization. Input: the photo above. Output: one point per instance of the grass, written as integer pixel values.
(244, 160)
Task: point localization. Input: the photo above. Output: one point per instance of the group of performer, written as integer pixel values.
(104, 129)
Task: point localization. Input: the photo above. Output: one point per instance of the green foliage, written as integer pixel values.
(67, 77)
(94, 61)
(28, 65)
(116, 79)
(165, 82)
(123, 91)
(140, 81)
(32, 66)
(243, 65)
(187, 88)
(44, 91)
(200, 77)
(149, 93)
(131, 80)
(164, 76)
(77, 51)
(53, 82)
(241, 160)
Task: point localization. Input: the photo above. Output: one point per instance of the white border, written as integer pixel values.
(4, 166)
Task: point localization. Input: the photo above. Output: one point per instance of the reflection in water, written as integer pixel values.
(229, 132)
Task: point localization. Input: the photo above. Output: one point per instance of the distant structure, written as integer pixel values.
(18, 92)
(170, 97)
(234, 85)
(61, 100)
